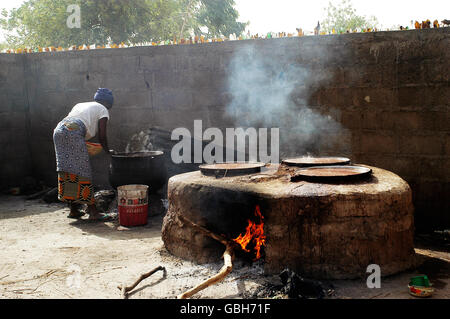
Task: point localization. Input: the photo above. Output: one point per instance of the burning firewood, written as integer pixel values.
(206, 232)
(254, 234)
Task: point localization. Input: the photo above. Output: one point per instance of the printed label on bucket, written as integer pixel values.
(132, 201)
(133, 205)
(133, 215)
(138, 209)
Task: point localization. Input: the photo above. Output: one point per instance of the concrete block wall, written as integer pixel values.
(15, 160)
(406, 125)
(388, 90)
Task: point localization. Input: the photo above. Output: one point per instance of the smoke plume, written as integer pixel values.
(271, 89)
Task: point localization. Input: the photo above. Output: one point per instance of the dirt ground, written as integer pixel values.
(46, 255)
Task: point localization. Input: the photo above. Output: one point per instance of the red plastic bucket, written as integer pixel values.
(133, 205)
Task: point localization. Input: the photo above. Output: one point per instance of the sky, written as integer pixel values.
(287, 15)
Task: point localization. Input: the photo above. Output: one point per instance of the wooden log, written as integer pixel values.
(228, 257)
(125, 290)
(203, 230)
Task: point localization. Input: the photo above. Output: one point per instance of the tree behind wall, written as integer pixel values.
(220, 18)
(44, 22)
(343, 18)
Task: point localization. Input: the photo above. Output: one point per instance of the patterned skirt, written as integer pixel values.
(75, 189)
(72, 162)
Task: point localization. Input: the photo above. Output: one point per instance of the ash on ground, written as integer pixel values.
(294, 286)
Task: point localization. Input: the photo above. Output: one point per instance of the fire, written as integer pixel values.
(253, 233)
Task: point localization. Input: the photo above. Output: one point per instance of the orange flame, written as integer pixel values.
(253, 233)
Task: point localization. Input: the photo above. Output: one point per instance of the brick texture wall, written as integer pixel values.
(15, 161)
(388, 90)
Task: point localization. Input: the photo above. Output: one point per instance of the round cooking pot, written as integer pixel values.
(147, 168)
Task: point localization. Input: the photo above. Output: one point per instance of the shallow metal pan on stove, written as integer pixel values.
(231, 168)
(307, 161)
(335, 173)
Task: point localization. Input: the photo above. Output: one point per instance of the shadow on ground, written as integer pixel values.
(18, 207)
(112, 229)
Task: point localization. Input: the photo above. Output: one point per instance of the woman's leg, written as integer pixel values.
(75, 210)
(95, 214)
(93, 211)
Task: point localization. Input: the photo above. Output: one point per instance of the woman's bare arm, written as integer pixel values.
(102, 136)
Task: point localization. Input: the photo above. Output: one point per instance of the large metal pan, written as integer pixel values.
(307, 161)
(231, 168)
(336, 173)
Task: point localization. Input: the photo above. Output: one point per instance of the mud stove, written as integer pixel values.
(320, 223)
